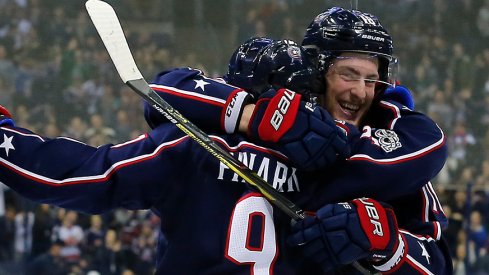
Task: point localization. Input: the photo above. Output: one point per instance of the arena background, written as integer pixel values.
(57, 79)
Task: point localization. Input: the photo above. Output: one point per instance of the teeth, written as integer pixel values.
(351, 107)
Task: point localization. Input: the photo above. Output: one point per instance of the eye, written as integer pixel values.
(348, 76)
(370, 82)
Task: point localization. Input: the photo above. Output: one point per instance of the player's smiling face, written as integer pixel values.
(351, 86)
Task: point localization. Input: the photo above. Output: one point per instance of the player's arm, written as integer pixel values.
(281, 120)
(71, 174)
(209, 103)
(407, 141)
(366, 231)
(404, 152)
(396, 159)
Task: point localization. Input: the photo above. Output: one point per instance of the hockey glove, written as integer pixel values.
(305, 133)
(400, 94)
(5, 117)
(343, 233)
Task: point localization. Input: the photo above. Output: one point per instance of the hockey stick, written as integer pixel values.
(108, 26)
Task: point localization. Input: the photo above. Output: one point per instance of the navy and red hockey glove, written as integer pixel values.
(305, 133)
(400, 94)
(342, 233)
(5, 117)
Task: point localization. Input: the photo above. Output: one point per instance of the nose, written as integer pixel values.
(359, 90)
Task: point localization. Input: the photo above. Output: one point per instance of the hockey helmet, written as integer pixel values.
(338, 30)
(280, 64)
(243, 60)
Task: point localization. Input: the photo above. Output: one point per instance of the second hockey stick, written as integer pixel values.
(109, 28)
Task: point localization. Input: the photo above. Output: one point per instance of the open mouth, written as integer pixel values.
(349, 109)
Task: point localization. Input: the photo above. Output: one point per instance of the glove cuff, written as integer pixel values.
(234, 110)
(395, 259)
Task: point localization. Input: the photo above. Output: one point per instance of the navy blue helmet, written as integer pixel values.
(243, 61)
(260, 64)
(338, 30)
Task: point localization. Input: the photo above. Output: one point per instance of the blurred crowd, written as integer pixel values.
(57, 79)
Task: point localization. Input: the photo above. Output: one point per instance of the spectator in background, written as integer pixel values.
(459, 204)
(7, 233)
(483, 21)
(459, 267)
(123, 126)
(24, 115)
(423, 86)
(128, 272)
(7, 75)
(76, 128)
(246, 28)
(456, 226)
(49, 262)
(477, 234)
(460, 142)
(109, 104)
(481, 265)
(440, 110)
(42, 229)
(24, 222)
(482, 179)
(51, 130)
(71, 234)
(461, 68)
(98, 132)
(112, 258)
(94, 235)
(143, 245)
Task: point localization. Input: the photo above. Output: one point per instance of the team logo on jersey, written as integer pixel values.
(388, 140)
(294, 52)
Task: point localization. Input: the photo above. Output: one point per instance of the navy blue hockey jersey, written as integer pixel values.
(212, 221)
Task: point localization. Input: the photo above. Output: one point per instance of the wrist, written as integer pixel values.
(245, 118)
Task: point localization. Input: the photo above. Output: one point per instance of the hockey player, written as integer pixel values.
(212, 223)
(395, 140)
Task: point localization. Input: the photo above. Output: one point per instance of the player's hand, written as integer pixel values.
(343, 233)
(305, 133)
(5, 117)
(400, 94)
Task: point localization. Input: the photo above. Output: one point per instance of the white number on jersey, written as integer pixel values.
(238, 249)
